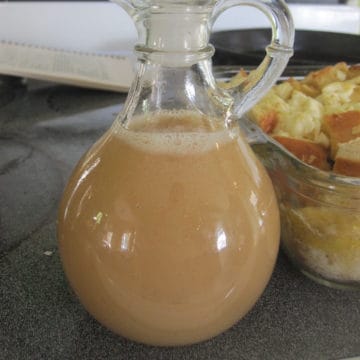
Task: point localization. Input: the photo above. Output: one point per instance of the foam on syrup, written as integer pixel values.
(175, 132)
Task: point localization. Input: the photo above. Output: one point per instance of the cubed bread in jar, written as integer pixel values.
(319, 79)
(353, 71)
(309, 152)
(341, 128)
(312, 117)
(347, 161)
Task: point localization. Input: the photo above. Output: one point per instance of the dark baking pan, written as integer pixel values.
(247, 47)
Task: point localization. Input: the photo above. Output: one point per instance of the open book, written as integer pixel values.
(102, 71)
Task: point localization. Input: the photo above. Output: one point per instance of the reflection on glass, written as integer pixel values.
(221, 241)
(108, 239)
(126, 243)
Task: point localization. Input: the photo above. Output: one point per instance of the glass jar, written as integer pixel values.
(320, 217)
(169, 228)
(319, 210)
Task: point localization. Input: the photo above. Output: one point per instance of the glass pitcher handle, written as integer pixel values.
(250, 90)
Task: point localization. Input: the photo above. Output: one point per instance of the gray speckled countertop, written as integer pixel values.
(44, 129)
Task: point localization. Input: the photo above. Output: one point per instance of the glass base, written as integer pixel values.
(330, 283)
(334, 284)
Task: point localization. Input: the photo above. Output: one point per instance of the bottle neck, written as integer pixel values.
(174, 66)
(159, 88)
(174, 36)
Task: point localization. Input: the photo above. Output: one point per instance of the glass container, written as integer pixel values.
(169, 227)
(319, 211)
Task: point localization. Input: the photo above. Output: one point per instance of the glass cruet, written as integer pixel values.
(169, 228)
